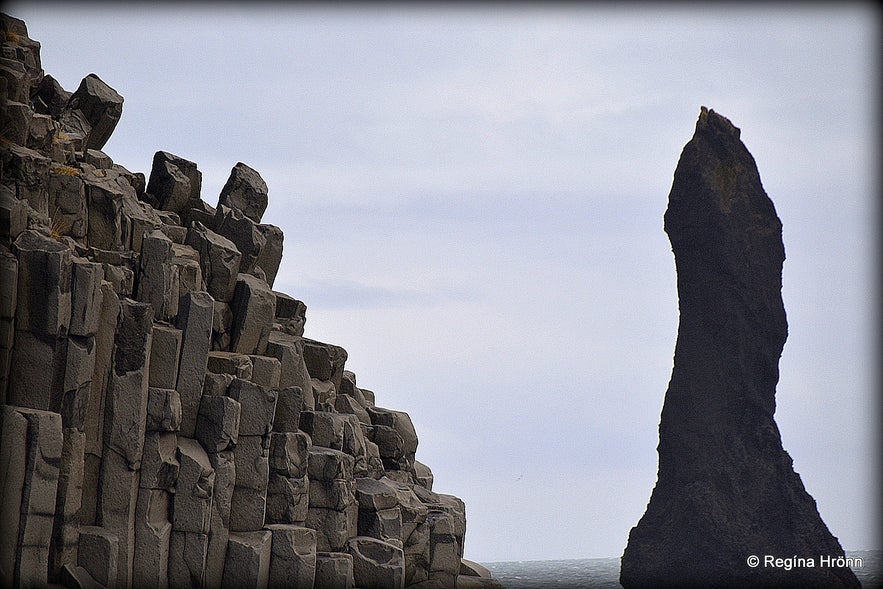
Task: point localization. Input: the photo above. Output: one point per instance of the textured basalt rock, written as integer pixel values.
(163, 421)
(726, 488)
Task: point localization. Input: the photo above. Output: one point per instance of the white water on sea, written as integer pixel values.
(603, 573)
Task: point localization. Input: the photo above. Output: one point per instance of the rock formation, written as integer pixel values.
(164, 422)
(726, 488)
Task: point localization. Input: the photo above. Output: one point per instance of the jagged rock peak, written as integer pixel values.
(711, 122)
(726, 489)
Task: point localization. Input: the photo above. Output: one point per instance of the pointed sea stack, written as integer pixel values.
(726, 489)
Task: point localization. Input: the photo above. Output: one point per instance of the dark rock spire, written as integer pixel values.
(726, 489)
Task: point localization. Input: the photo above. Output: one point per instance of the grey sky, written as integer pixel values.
(472, 203)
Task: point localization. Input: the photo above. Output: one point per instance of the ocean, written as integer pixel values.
(603, 573)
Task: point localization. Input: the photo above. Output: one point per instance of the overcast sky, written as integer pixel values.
(472, 202)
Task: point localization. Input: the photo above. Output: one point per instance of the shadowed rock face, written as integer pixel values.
(726, 488)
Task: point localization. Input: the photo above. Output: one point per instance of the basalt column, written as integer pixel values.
(726, 489)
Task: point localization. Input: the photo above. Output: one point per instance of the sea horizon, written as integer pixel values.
(603, 572)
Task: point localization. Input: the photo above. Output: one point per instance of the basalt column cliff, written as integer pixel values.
(726, 488)
(163, 421)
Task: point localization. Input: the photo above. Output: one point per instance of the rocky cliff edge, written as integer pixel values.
(164, 421)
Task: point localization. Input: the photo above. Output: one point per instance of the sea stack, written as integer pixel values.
(726, 489)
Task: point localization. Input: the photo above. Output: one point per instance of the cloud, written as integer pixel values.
(352, 295)
(472, 202)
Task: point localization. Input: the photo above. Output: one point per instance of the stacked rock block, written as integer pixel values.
(165, 423)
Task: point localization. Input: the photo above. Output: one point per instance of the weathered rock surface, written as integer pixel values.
(219, 260)
(195, 323)
(99, 554)
(30, 455)
(153, 533)
(125, 417)
(253, 307)
(164, 423)
(245, 191)
(248, 560)
(175, 183)
(101, 107)
(376, 563)
(726, 488)
(293, 556)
